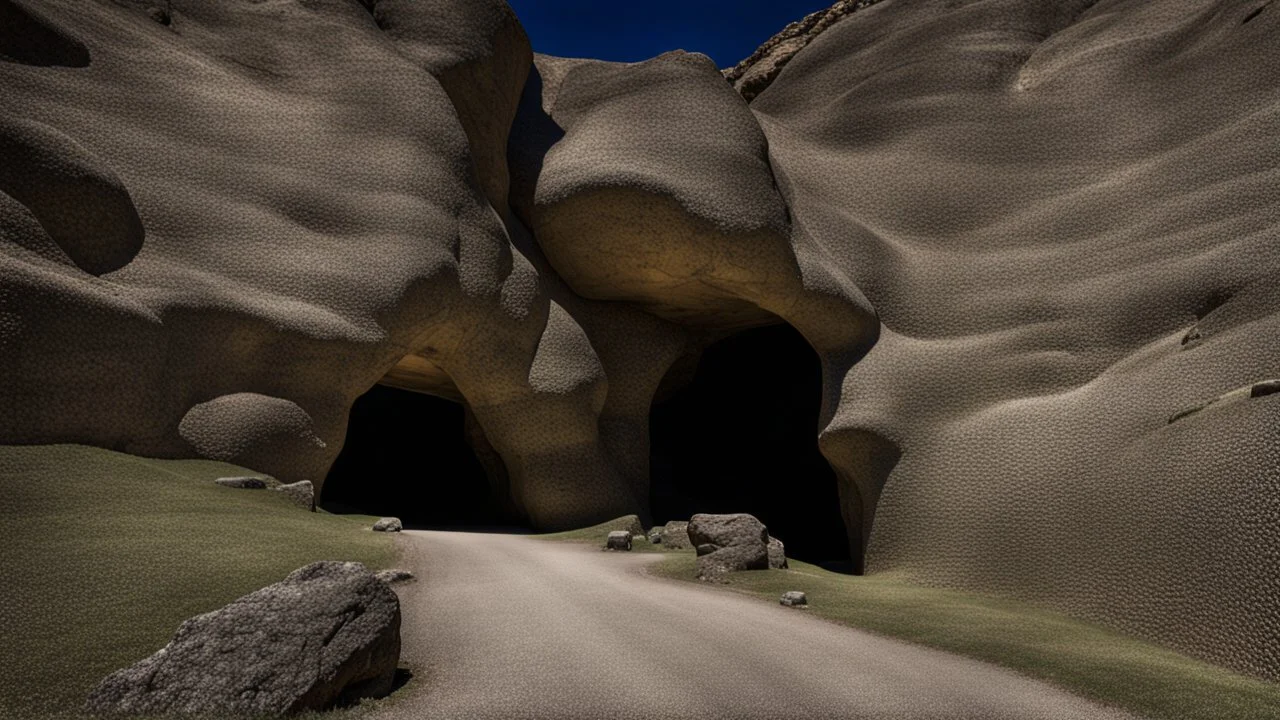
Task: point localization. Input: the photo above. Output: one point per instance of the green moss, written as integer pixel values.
(1083, 658)
(106, 554)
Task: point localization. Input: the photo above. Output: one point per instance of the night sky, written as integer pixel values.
(727, 30)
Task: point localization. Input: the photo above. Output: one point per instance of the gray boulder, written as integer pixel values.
(302, 492)
(728, 543)
(618, 540)
(675, 535)
(329, 633)
(655, 536)
(394, 576)
(794, 598)
(388, 524)
(777, 554)
(243, 483)
(632, 524)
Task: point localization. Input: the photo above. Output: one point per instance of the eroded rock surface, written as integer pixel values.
(1020, 234)
(328, 633)
(728, 543)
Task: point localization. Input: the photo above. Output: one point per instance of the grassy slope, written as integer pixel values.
(1086, 659)
(105, 554)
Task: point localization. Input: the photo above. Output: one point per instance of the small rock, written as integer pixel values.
(328, 634)
(388, 524)
(675, 535)
(618, 540)
(243, 483)
(655, 536)
(302, 492)
(392, 577)
(794, 598)
(777, 554)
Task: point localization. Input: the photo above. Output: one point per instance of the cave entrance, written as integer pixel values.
(738, 432)
(406, 455)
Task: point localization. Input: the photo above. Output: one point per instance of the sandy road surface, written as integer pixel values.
(502, 626)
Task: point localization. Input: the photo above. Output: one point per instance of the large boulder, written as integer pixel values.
(328, 633)
(729, 543)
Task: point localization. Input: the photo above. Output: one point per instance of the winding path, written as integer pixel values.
(502, 626)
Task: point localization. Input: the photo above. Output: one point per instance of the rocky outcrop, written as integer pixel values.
(1012, 275)
(754, 74)
(728, 543)
(328, 633)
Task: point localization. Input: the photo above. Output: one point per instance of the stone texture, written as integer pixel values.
(794, 598)
(675, 535)
(328, 633)
(388, 524)
(1021, 235)
(394, 576)
(777, 554)
(728, 543)
(618, 540)
(243, 483)
(754, 74)
(303, 493)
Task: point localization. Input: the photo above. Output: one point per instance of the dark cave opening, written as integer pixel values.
(406, 455)
(741, 435)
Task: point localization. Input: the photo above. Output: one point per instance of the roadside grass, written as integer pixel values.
(596, 534)
(1081, 657)
(105, 554)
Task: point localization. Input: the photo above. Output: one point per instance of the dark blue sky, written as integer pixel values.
(727, 30)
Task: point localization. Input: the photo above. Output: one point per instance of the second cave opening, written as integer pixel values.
(740, 434)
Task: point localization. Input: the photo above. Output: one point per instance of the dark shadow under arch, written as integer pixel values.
(407, 455)
(740, 434)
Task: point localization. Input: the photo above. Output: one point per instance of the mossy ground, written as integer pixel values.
(105, 554)
(1086, 659)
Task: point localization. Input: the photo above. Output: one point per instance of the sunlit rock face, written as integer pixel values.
(1020, 235)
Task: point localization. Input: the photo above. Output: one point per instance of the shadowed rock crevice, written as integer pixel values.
(27, 38)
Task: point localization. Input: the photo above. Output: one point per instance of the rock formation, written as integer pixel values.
(728, 543)
(328, 633)
(1021, 235)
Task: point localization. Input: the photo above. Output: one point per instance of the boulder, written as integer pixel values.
(632, 524)
(302, 492)
(388, 524)
(329, 633)
(393, 576)
(794, 598)
(728, 543)
(777, 554)
(618, 540)
(675, 535)
(243, 483)
(655, 536)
